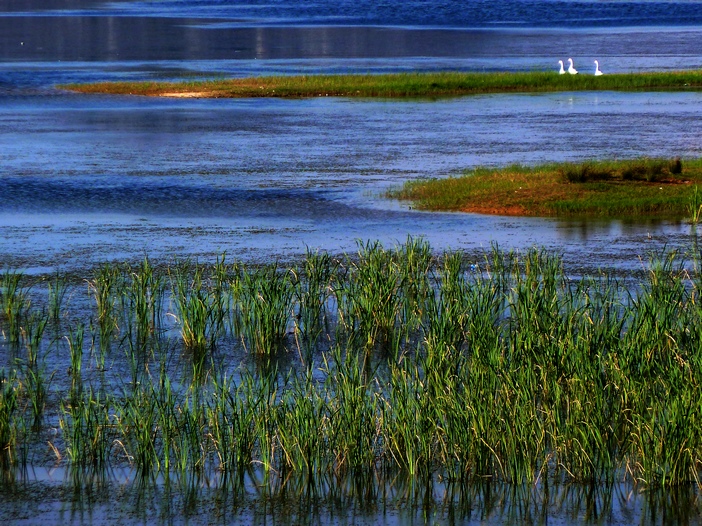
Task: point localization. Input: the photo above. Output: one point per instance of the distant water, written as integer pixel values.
(403, 13)
(480, 34)
(84, 179)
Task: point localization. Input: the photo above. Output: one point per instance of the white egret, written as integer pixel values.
(597, 69)
(571, 69)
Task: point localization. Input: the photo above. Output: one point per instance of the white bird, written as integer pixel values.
(597, 69)
(562, 71)
(571, 69)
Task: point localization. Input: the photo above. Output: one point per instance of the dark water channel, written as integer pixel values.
(90, 179)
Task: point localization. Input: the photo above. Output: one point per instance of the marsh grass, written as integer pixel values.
(58, 288)
(303, 417)
(146, 298)
(415, 262)
(433, 368)
(103, 288)
(88, 425)
(694, 206)
(265, 302)
(355, 407)
(370, 302)
(8, 425)
(637, 187)
(313, 287)
(32, 332)
(138, 420)
(35, 386)
(74, 339)
(195, 313)
(231, 426)
(14, 302)
(402, 85)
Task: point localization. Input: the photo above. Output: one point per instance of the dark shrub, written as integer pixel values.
(584, 173)
(655, 171)
(634, 172)
(646, 170)
(675, 166)
(574, 174)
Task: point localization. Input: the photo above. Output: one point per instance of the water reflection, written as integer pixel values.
(360, 501)
(110, 39)
(582, 230)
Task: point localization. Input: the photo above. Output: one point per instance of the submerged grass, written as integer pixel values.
(442, 84)
(428, 368)
(639, 187)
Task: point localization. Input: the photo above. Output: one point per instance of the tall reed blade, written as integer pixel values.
(8, 407)
(13, 304)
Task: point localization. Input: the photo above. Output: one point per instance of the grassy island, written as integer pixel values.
(445, 84)
(650, 187)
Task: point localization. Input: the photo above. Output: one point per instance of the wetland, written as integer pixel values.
(392, 377)
(636, 188)
(487, 368)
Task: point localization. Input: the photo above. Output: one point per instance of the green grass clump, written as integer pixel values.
(401, 85)
(8, 425)
(14, 304)
(103, 287)
(265, 298)
(312, 288)
(429, 369)
(638, 187)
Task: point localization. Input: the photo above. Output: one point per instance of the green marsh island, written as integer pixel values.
(399, 85)
(663, 188)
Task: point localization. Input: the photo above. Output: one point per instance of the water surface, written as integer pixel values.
(115, 177)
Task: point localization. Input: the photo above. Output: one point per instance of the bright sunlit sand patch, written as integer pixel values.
(188, 94)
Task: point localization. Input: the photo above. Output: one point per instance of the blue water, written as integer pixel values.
(85, 179)
(410, 13)
(184, 36)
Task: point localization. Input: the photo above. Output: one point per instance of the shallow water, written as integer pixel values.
(85, 179)
(96, 178)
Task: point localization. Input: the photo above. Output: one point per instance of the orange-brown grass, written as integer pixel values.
(546, 190)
